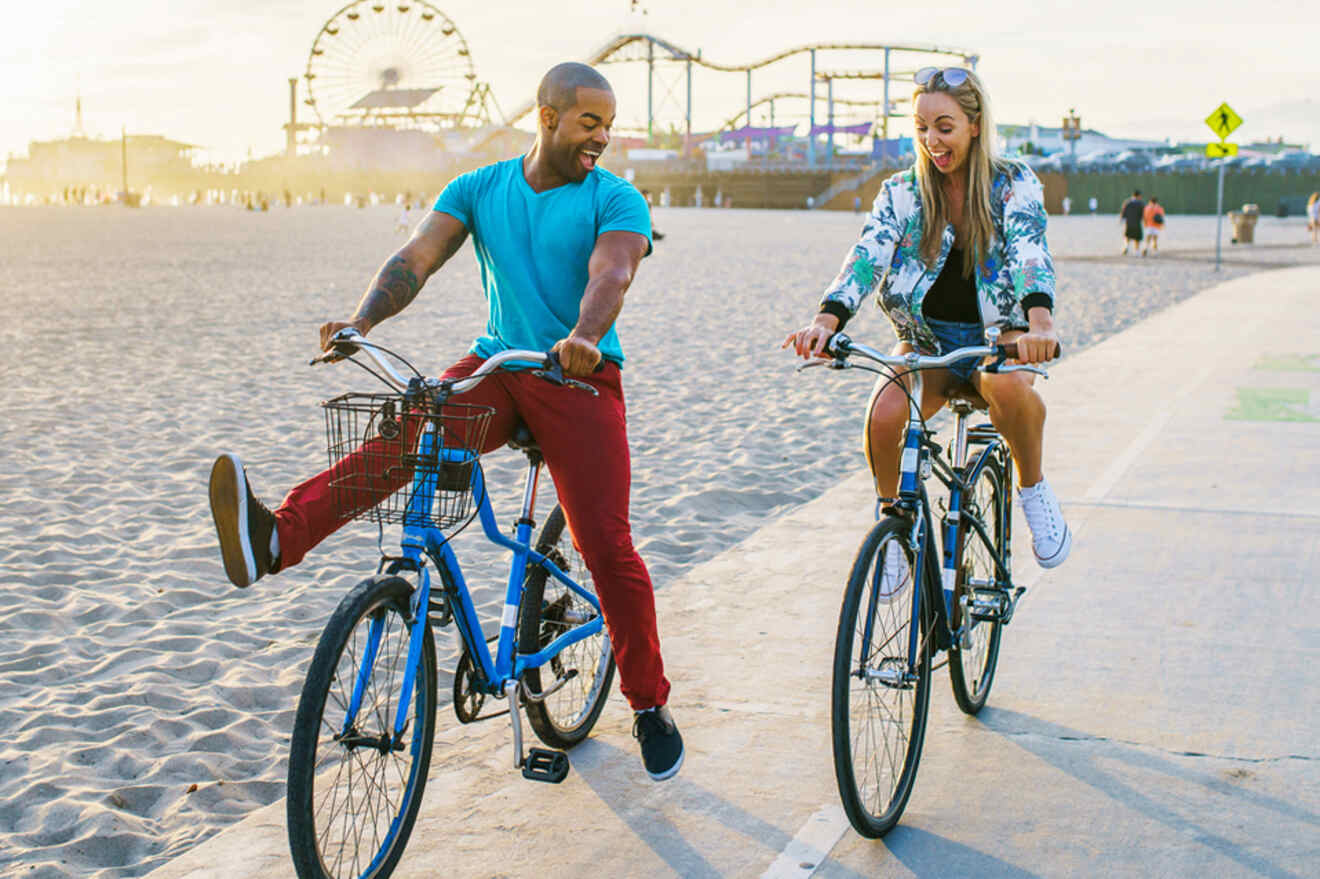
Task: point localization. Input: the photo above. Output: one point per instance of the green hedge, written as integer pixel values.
(1184, 193)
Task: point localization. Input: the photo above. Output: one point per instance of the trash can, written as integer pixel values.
(1244, 223)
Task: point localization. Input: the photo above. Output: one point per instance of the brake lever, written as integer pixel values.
(581, 386)
(832, 363)
(555, 375)
(1023, 367)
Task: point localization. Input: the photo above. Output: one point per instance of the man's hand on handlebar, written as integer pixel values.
(329, 328)
(577, 355)
(809, 341)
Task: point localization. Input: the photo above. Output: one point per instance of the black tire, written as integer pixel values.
(975, 652)
(566, 716)
(368, 798)
(879, 724)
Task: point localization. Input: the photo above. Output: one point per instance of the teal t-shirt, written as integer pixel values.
(533, 249)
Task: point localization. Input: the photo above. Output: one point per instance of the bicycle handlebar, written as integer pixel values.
(840, 345)
(349, 341)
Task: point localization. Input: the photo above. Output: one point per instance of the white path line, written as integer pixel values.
(1120, 465)
(812, 845)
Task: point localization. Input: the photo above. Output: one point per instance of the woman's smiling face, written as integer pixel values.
(943, 130)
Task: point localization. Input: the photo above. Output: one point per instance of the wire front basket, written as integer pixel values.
(397, 461)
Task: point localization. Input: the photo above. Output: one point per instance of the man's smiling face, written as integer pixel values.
(580, 134)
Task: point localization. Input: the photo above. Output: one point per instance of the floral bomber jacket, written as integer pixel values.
(888, 255)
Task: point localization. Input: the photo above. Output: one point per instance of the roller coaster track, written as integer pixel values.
(733, 122)
(613, 50)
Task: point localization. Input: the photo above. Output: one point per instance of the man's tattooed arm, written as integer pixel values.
(438, 237)
(395, 285)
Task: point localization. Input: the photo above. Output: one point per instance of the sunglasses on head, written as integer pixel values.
(952, 76)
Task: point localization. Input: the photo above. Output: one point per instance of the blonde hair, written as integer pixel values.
(982, 164)
(1315, 197)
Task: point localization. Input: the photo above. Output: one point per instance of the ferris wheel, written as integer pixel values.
(374, 62)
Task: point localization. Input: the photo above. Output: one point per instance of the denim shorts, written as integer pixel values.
(952, 335)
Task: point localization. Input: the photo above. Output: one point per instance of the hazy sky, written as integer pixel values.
(214, 72)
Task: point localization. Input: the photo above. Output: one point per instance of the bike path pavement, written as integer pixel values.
(1155, 708)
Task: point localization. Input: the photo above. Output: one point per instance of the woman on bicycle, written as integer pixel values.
(956, 244)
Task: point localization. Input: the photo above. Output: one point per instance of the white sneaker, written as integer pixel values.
(1051, 539)
(895, 573)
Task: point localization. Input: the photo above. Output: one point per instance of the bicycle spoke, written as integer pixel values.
(879, 687)
(972, 661)
(353, 796)
(581, 673)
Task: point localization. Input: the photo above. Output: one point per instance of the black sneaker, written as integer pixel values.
(243, 523)
(662, 746)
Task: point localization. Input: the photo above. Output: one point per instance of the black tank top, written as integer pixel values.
(953, 297)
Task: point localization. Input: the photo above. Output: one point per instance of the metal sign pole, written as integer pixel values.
(1219, 215)
(1223, 121)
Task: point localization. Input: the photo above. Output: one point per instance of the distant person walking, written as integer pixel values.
(1094, 205)
(1313, 216)
(656, 234)
(1067, 205)
(1130, 215)
(1152, 218)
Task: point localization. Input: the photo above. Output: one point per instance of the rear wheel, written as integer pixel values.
(975, 650)
(881, 687)
(355, 787)
(548, 609)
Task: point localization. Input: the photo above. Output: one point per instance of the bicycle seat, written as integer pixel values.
(522, 439)
(963, 392)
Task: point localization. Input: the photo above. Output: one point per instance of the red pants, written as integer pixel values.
(585, 443)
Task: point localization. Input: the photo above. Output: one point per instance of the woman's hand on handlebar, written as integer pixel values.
(1037, 346)
(810, 341)
(1040, 342)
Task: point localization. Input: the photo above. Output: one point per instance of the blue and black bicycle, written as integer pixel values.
(908, 600)
(362, 739)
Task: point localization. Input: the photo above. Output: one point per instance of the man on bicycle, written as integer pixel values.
(558, 241)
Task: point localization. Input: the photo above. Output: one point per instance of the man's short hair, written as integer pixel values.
(559, 86)
(1136, 192)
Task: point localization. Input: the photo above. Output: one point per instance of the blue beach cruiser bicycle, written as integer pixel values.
(918, 588)
(362, 739)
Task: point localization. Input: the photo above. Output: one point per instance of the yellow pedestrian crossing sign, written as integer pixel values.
(1223, 121)
(1220, 150)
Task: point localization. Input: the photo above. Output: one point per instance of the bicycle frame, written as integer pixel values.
(916, 464)
(420, 540)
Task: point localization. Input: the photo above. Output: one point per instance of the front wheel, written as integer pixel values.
(548, 609)
(354, 784)
(881, 688)
(975, 649)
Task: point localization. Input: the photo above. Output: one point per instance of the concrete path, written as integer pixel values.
(1155, 711)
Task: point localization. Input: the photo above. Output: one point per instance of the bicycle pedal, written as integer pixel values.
(542, 764)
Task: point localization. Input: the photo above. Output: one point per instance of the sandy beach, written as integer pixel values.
(146, 703)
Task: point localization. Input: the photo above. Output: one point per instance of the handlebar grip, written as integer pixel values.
(1010, 350)
(838, 344)
(341, 346)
